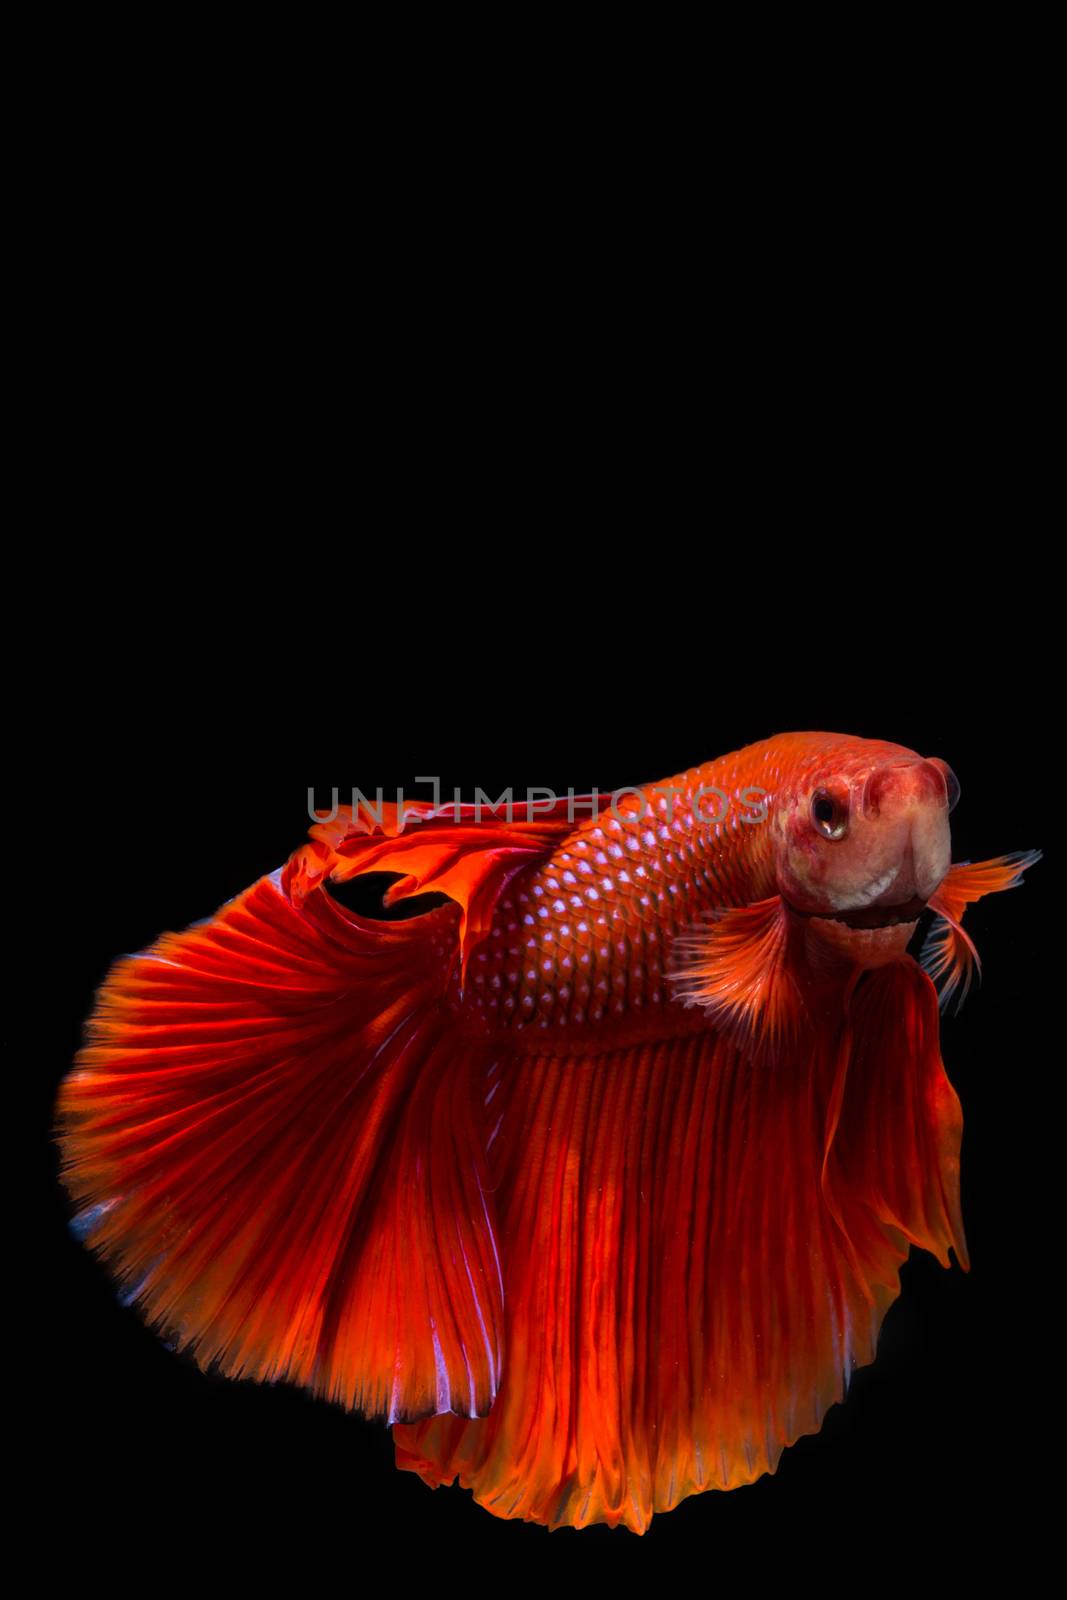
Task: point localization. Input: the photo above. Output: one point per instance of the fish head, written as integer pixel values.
(862, 842)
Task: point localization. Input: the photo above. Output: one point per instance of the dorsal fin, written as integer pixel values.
(466, 852)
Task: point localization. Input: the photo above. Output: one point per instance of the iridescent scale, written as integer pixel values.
(586, 938)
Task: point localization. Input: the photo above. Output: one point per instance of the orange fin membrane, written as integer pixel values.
(466, 852)
(949, 956)
(740, 969)
(698, 1254)
(892, 1156)
(277, 1144)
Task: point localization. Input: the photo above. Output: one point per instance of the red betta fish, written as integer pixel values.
(594, 1182)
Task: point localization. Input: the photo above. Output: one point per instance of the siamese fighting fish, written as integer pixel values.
(594, 1181)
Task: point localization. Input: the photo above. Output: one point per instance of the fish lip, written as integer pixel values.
(884, 916)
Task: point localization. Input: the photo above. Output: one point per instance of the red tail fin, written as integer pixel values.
(276, 1138)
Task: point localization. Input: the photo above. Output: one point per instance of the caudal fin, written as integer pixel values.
(276, 1139)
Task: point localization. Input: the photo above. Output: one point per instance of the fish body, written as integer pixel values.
(593, 1182)
(586, 939)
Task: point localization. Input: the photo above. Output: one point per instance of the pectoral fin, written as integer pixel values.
(742, 969)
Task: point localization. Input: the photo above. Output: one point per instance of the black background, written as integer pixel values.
(182, 755)
(322, 501)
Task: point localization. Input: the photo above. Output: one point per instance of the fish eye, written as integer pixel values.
(952, 783)
(829, 814)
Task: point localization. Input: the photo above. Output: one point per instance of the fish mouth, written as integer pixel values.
(906, 911)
